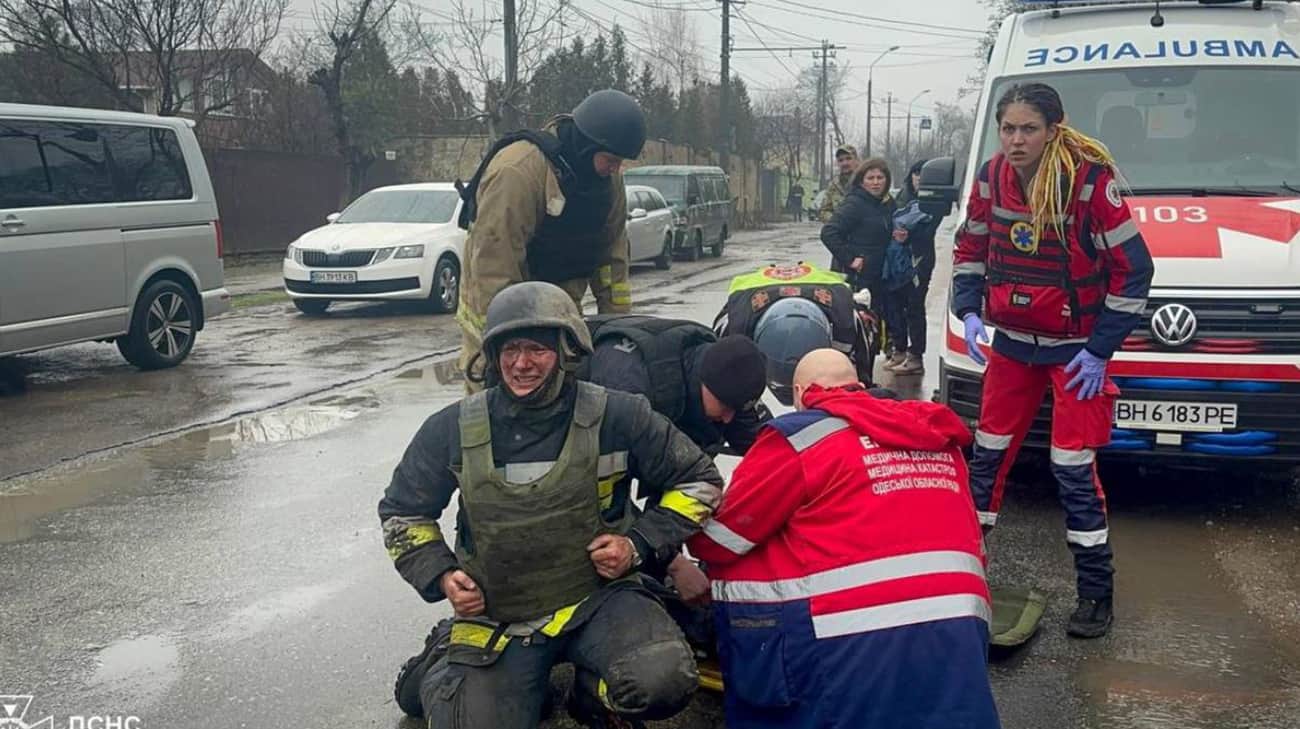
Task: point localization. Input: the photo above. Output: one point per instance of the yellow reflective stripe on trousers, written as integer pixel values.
(476, 635)
(688, 507)
(470, 320)
(560, 619)
(606, 274)
(621, 294)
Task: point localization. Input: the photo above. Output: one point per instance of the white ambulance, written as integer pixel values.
(1200, 103)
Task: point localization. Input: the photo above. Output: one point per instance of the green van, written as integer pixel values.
(701, 202)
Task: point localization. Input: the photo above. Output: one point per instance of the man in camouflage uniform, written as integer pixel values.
(549, 205)
(846, 158)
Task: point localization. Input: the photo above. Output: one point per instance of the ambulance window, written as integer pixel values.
(1186, 127)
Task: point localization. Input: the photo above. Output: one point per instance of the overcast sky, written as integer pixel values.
(938, 39)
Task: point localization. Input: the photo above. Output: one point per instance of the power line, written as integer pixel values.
(805, 11)
(671, 7)
(745, 19)
(876, 19)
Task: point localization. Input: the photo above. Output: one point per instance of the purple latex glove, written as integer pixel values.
(1091, 374)
(975, 333)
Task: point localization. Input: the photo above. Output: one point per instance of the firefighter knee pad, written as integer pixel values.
(655, 681)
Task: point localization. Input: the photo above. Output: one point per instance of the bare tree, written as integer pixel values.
(344, 26)
(676, 40)
(194, 54)
(785, 131)
(470, 51)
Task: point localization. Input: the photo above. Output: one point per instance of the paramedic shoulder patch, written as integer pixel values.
(1112, 194)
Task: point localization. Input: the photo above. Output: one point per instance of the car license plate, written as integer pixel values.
(334, 277)
(1203, 417)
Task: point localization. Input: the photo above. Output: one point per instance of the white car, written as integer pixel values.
(392, 243)
(649, 226)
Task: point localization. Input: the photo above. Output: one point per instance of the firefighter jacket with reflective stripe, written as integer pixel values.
(751, 294)
(1049, 296)
(527, 443)
(845, 523)
(519, 194)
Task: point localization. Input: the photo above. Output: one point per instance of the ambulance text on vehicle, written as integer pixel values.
(1200, 104)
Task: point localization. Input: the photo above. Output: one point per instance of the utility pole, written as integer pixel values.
(823, 53)
(907, 151)
(871, 69)
(889, 122)
(724, 100)
(826, 53)
(510, 120)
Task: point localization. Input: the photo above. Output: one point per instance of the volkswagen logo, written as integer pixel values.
(1173, 325)
(336, 247)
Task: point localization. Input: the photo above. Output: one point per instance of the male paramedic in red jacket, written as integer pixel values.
(848, 566)
(1050, 254)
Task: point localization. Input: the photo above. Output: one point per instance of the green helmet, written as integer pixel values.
(534, 304)
(614, 121)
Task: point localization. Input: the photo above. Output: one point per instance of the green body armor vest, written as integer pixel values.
(530, 539)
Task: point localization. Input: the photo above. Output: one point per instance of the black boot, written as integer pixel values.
(1091, 619)
(407, 689)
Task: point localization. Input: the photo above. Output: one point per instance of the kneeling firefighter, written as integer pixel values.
(549, 205)
(791, 310)
(546, 563)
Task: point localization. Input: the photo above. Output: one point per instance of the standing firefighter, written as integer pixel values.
(1052, 255)
(548, 542)
(549, 205)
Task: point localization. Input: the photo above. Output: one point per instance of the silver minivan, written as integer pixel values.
(108, 231)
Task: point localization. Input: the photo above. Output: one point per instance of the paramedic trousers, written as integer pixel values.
(629, 653)
(1013, 392)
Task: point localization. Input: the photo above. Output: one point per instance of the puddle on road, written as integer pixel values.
(1187, 650)
(143, 668)
(443, 372)
(134, 470)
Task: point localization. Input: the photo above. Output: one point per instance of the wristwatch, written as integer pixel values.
(636, 556)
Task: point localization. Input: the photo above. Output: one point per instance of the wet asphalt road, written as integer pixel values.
(232, 574)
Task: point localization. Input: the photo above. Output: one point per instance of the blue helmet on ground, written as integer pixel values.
(788, 330)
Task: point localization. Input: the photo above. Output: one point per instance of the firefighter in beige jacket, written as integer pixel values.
(549, 205)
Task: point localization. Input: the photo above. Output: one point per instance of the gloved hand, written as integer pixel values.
(975, 333)
(1091, 374)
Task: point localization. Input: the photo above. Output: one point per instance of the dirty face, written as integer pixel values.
(846, 163)
(606, 164)
(874, 182)
(1024, 134)
(916, 180)
(525, 365)
(714, 409)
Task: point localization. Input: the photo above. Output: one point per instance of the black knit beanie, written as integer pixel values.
(735, 371)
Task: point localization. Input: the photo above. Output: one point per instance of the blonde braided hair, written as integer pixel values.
(1061, 159)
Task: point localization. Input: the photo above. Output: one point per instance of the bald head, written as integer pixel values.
(827, 368)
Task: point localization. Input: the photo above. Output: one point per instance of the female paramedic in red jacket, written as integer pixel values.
(848, 566)
(1050, 254)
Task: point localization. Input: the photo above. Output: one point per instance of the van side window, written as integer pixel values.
(724, 190)
(693, 190)
(23, 179)
(149, 164)
(49, 164)
(74, 166)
